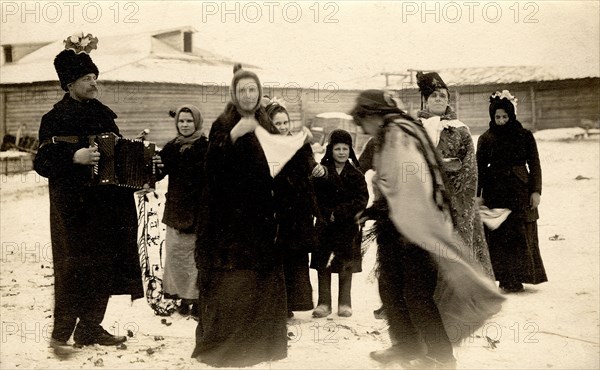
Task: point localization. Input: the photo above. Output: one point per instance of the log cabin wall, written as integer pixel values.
(542, 105)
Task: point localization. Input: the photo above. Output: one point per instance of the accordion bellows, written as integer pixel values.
(123, 162)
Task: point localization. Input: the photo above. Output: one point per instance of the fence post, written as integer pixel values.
(457, 105)
(533, 109)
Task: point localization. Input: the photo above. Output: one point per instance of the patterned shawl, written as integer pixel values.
(410, 179)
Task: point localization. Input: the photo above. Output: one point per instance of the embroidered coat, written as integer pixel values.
(456, 142)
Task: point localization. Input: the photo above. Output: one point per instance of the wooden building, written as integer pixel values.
(154, 72)
(547, 97)
(141, 80)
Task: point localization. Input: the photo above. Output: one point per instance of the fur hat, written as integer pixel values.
(339, 137)
(503, 100)
(429, 82)
(74, 62)
(238, 74)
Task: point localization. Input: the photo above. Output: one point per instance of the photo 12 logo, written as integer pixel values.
(14, 332)
(68, 11)
(469, 11)
(269, 11)
(290, 92)
(23, 252)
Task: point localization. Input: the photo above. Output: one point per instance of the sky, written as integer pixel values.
(350, 38)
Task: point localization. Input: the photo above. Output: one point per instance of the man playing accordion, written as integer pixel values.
(93, 228)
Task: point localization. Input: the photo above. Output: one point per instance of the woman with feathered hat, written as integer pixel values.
(510, 177)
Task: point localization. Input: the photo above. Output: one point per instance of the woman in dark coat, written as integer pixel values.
(510, 177)
(296, 210)
(183, 161)
(341, 196)
(242, 288)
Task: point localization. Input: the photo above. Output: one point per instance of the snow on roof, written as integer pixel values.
(145, 58)
(492, 75)
(495, 75)
(142, 58)
(164, 70)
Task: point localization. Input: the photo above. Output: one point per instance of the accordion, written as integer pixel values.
(123, 162)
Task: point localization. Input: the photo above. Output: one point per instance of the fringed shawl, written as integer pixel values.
(410, 178)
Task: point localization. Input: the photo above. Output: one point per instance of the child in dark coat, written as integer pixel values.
(341, 195)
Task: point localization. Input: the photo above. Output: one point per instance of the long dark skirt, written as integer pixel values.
(297, 282)
(243, 318)
(515, 252)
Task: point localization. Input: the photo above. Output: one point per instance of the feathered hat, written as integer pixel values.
(429, 82)
(503, 100)
(75, 62)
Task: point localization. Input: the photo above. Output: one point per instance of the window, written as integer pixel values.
(187, 42)
(8, 54)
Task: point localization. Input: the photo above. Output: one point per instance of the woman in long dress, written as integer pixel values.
(242, 287)
(296, 210)
(510, 177)
(453, 141)
(183, 162)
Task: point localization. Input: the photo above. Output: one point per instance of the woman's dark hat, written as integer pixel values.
(503, 100)
(74, 62)
(429, 82)
(374, 102)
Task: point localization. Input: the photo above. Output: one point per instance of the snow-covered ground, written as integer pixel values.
(554, 325)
